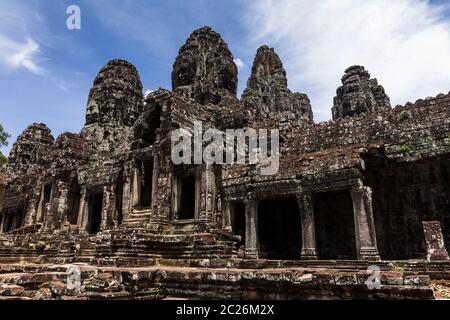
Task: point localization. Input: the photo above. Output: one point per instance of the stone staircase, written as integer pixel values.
(137, 219)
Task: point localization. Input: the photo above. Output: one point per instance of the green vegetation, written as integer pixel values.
(404, 114)
(405, 149)
(4, 136)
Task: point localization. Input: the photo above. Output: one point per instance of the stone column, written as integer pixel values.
(251, 229)
(309, 246)
(435, 241)
(83, 211)
(61, 203)
(33, 203)
(366, 243)
(40, 208)
(135, 192)
(226, 219)
(126, 197)
(210, 193)
(155, 180)
(2, 222)
(108, 208)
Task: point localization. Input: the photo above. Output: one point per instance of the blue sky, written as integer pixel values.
(46, 70)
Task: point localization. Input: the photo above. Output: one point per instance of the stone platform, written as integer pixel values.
(341, 281)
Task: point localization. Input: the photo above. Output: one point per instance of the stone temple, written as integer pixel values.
(369, 188)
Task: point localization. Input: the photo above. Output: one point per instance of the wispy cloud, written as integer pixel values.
(239, 63)
(15, 54)
(18, 49)
(403, 43)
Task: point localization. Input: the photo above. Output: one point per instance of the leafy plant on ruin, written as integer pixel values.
(405, 149)
(4, 136)
(404, 114)
(255, 94)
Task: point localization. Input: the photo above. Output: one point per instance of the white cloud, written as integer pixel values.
(16, 54)
(403, 43)
(19, 50)
(239, 63)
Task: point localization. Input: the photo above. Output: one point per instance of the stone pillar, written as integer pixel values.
(2, 190)
(31, 213)
(155, 175)
(40, 208)
(83, 211)
(251, 229)
(210, 180)
(226, 219)
(306, 207)
(127, 193)
(2, 222)
(108, 207)
(366, 243)
(435, 241)
(61, 204)
(135, 192)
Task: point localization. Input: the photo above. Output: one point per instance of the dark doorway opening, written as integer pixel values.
(8, 222)
(73, 202)
(237, 216)
(95, 212)
(279, 229)
(335, 226)
(187, 201)
(403, 195)
(47, 194)
(146, 183)
(119, 197)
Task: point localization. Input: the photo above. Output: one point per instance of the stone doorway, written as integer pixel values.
(146, 184)
(95, 212)
(279, 229)
(187, 198)
(237, 217)
(335, 226)
(73, 202)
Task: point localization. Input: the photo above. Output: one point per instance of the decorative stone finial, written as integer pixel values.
(267, 88)
(358, 94)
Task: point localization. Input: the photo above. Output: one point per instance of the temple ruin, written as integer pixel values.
(371, 186)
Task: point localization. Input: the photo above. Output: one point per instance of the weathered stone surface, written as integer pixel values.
(114, 103)
(435, 241)
(346, 194)
(206, 283)
(359, 94)
(267, 89)
(31, 147)
(204, 69)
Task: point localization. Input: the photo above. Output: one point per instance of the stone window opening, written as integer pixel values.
(335, 225)
(95, 212)
(279, 228)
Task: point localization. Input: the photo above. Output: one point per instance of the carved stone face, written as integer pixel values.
(204, 69)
